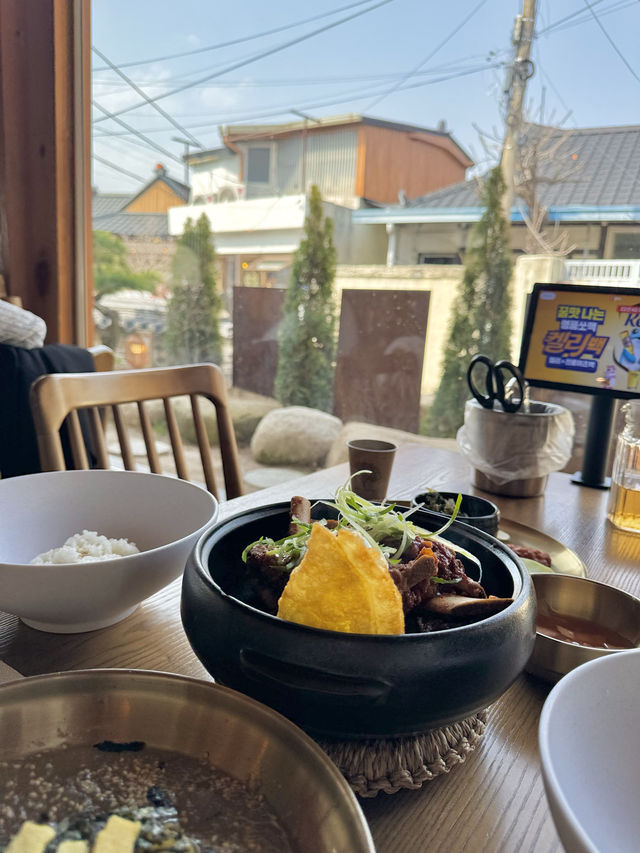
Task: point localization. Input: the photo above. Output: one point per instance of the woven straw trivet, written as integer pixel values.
(388, 765)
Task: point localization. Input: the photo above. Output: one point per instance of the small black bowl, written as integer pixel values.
(354, 685)
(478, 512)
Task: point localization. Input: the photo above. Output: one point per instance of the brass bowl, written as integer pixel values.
(252, 743)
(585, 599)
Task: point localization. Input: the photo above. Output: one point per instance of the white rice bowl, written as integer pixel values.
(162, 515)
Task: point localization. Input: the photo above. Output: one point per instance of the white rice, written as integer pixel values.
(87, 547)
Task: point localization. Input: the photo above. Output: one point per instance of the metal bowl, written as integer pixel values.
(252, 743)
(353, 685)
(585, 599)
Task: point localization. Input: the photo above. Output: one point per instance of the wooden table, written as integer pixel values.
(493, 802)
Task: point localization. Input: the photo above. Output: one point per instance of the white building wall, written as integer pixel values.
(452, 238)
(209, 179)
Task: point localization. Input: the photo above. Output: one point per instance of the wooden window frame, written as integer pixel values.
(45, 166)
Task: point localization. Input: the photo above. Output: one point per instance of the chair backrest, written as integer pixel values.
(58, 396)
(103, 357)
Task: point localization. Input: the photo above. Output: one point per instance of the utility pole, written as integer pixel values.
(307, 119)
(185, 157)
(519, 72)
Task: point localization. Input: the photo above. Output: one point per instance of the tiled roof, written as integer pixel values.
(462, 194)
(605, 162)
(133, 224)
(179, 188)
(104, 203)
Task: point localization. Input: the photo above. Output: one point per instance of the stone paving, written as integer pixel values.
(255, 476)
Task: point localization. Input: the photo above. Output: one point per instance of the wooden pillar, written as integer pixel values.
(45, 231)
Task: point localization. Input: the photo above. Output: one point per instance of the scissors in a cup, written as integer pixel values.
(498, 379)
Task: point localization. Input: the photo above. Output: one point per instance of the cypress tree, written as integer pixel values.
(481, 321)
(193, 334)
(306, 340)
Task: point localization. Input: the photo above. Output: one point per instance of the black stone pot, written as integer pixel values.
(354, 685)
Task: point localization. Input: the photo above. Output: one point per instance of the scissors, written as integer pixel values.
(498, 387)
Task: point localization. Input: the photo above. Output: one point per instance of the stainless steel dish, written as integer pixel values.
(585, 599)
(238, 735)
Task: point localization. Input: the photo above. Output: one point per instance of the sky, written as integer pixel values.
(413, 61)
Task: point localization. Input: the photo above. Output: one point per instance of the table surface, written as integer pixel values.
(493, 802)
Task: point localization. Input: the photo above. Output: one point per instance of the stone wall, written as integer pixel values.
(151, 253)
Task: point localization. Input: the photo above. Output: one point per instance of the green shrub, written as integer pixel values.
(306, 340)
(193, 334)
(481, 321)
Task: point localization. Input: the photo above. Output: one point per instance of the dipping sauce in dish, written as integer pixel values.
(577, 631)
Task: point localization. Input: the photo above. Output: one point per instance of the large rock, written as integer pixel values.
(246, 410)
(294, 435)
(354, 429)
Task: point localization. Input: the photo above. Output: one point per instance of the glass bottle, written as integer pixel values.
(624, 501)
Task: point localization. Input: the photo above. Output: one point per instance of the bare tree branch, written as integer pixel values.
(545, 159)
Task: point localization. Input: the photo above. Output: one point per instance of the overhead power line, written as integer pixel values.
(570, 17)
(144, 95)
(359, 92)
(610, 40)
(241, 40)
(268, 82)
(429, 56)
(278, 110)
(118, 168)
(137, 133)
(258, 56)
(119, 134)
(582, 16)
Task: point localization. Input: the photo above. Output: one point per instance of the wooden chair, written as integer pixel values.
(58, 396)
(103, 357)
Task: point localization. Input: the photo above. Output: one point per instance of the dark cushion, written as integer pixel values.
(18, 369)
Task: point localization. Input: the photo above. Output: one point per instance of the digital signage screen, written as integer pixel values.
(583, 338)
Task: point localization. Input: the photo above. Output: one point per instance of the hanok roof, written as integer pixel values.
(110, 211)
(604, 166)
(181, 190)
(133, 224)
(105, 203)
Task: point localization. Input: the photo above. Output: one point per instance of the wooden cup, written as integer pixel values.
(376, 459)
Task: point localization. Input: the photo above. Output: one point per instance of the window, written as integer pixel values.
(258, 165)
(627, 246)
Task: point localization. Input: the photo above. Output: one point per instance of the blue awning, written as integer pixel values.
(417, 215)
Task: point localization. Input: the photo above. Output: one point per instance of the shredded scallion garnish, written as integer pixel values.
(382, 526)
